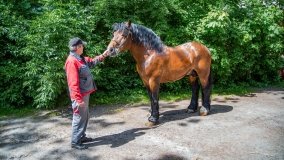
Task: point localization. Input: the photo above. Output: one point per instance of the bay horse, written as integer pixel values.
(157, 63)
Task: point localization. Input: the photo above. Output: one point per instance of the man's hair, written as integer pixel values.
(73, 48)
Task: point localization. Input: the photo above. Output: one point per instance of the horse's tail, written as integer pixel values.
(210, 81)
(210, 78)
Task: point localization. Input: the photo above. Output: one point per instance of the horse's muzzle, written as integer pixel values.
(113, 52)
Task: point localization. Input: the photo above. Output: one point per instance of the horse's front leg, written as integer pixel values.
(154, 118)
(153, 92)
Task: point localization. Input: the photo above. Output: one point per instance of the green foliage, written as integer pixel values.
(246, 41)
(245, 38)
(47, 48)
(13, 27)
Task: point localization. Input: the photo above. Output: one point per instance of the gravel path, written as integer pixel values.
(239, 127)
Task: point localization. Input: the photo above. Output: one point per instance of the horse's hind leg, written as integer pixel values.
(193, 78)
(206, 82)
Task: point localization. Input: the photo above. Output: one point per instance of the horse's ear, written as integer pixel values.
(128, 23)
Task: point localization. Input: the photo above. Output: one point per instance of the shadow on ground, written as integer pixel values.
(174, 115)
(119, 139)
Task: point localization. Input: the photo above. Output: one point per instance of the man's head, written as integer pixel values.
(77, 45)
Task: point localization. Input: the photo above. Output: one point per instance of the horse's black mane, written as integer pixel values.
(142, 36)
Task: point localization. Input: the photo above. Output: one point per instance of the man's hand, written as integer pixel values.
(82, 104)
(102, 56)
(76, 109)
(105, 54)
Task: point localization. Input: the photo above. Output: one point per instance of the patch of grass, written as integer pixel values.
(232, 90)
(127, 97)
(279, 85)
(175, 96)
(17, 112)
(243, 89)
(141, 97)
(137, 96)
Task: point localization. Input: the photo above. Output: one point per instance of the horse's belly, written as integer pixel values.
(176, 69)
(173, 75)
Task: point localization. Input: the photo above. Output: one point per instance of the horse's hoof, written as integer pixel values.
(190, 110)
(203, 111)
(153, 119)
(151, 124)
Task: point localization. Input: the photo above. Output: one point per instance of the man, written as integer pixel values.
(81, 85)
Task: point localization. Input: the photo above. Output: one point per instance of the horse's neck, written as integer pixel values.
(139, 53)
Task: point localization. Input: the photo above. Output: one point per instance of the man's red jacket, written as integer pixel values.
(79, 77)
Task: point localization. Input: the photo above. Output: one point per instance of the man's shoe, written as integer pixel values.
(86, 139)
(79, 146)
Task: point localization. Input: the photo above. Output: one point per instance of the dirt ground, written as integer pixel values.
(239, 127)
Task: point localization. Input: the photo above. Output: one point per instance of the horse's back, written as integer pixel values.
(197, 48)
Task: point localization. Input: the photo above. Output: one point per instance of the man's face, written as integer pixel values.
(79, 49)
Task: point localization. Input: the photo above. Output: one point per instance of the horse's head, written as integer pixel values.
(121, 38)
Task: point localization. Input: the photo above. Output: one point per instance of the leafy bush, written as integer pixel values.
(245, 38)
(13, 27)
(246, 41)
